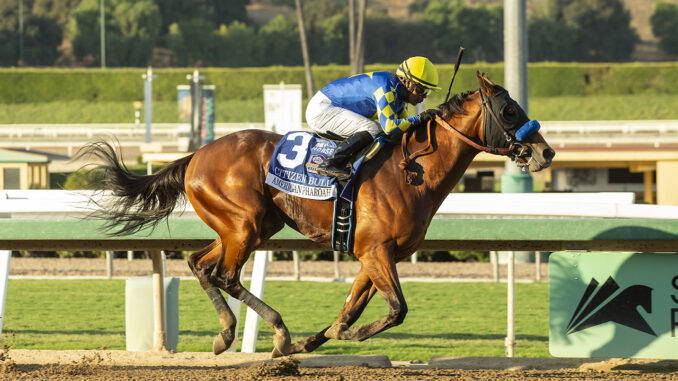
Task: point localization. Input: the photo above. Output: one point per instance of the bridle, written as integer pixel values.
(516, 151)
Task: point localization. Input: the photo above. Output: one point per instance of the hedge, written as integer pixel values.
(20, 85)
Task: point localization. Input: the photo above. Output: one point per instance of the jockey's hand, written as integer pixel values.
(429, 114)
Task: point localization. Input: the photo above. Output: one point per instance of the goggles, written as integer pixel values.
(419, 89)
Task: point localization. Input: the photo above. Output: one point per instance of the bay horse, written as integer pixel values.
(224, 181)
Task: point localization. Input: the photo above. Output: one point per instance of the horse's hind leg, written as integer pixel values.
(360, 294)
(227, 319)
(241, 228)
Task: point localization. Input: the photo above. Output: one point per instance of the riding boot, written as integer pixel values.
(337, 165)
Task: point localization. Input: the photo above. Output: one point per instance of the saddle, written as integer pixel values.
(369, 151)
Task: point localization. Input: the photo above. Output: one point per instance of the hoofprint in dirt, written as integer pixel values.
(321, 269)
(115, 365)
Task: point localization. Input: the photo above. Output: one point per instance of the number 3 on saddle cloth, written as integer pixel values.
(293, 170)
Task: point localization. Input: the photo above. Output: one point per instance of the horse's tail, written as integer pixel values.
(138, 200)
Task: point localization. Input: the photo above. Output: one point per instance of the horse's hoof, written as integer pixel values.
(222, 341)
(282, 344)
(335, 331)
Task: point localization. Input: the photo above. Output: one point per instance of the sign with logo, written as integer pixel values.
(613, 305)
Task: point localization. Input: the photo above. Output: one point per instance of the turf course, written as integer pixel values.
(444, 319)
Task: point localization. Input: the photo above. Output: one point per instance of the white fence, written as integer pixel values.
(559, 133)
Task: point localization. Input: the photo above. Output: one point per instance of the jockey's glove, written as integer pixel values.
(429, 114)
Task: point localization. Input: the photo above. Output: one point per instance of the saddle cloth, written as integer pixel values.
(294, 166)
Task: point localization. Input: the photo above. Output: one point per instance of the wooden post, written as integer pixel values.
(537, 262)
(297, 266)
(494, 259)
(160, 331)
(648, 181)
(109, 264)
(336, 265)
(510, 341)
(5, 256)
(249, 338)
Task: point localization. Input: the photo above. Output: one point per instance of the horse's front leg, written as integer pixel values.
(381, 269)
(360, 294)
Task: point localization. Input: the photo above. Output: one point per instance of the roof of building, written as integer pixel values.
(12, 156)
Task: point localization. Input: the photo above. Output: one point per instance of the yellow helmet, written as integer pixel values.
(420, 70)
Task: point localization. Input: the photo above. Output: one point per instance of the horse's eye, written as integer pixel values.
(510, 112)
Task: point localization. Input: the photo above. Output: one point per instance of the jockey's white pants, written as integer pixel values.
(323, 116)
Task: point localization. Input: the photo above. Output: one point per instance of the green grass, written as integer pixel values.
(613, 107)
(444, 319)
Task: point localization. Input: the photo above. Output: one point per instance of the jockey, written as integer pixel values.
(361, 107)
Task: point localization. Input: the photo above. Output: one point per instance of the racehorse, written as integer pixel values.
(225, 183)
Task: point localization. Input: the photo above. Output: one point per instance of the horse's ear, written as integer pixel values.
(486, 85)
(483, 83)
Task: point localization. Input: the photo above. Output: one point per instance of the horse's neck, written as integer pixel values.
(444, 168)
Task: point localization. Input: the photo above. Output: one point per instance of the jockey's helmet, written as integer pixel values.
(419, 70)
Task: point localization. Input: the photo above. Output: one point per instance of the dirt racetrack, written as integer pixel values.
(122, 365)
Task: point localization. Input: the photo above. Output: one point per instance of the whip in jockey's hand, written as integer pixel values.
(361, 107)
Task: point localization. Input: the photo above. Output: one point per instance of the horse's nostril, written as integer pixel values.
(549, 154)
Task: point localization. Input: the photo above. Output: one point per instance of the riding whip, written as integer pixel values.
(456, 67)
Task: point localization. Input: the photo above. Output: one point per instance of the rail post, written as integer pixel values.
(160, 331)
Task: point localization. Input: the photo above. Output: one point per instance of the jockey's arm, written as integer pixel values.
(391, 122)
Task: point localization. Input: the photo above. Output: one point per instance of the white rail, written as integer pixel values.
(559, 133)
(58, 204)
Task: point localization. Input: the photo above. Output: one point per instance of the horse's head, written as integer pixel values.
(506, 127)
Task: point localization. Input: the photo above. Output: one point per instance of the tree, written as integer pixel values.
(551, 41)
(281, 43)
(132, 28)
(603, 28)
(664, 22)
(239, 46)
(304, 50)
(41, 35)
(356, 36)
(479, 29)
(216, 12)
(190, 42)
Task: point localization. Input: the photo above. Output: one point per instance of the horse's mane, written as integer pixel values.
(453, 105)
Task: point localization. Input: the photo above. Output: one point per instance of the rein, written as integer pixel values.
(407, 157)
(514, 151)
